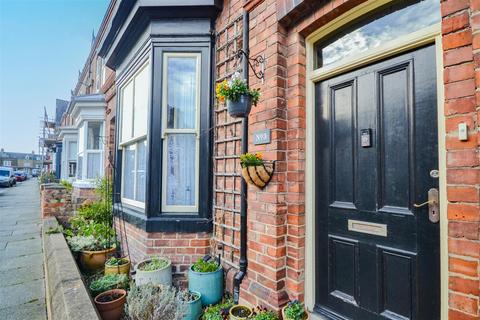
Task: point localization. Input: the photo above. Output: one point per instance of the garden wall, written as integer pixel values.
(55, 200)
(67, 297)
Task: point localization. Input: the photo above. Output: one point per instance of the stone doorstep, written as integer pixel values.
(66, 295)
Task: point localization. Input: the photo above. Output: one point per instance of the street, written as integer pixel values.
(22, 286)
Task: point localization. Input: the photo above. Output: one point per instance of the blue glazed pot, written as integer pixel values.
(240, 108)
(194, 308)
(208, 284)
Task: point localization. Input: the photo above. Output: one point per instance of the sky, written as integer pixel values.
(43, 45)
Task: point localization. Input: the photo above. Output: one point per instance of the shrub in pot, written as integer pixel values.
(154, 302)
(294, 310)
(238, 95)
(110, 304)
(206, 277)
(117, 265)
(218, 311)
(109, 282)
(93, 252)
(240, 312)
(156, 270)
(193, 302)
(260, 313)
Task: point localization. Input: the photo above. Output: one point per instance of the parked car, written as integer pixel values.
(35, 173)
(7, 177)
(20, 176)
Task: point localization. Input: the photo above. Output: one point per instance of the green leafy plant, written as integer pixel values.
(113, 261)
(155, 263)
(154, 302)
(56, 229)
(251, 159)
(205, 266)
(47, 177)
(109, 282)
(218, 311)
(89, 243)
(261, 313)
(68, 185)
(295, 311)
(232, 90)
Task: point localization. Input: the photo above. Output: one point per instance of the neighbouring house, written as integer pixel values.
(25, 162)
(369, 110)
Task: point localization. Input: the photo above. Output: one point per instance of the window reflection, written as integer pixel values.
(386, 24)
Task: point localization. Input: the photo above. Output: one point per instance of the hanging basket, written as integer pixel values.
(241, 107)
(259, 176)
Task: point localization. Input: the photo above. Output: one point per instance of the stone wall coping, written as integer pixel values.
(51, 185)
(66, 294)
(83, 184)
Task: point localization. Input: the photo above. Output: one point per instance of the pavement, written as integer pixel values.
(22, 280)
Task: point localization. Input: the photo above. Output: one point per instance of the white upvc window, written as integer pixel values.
(180, 131)
(72, 152)
(90, 150)
(134, 100)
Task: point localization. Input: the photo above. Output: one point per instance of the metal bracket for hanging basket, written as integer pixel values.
(254, 63)
(260, 175)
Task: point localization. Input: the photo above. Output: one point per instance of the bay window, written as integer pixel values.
(90, 150)
(133, 136)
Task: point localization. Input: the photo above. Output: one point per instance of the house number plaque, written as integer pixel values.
(261, 137)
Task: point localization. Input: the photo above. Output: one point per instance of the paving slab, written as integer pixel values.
(22, 279)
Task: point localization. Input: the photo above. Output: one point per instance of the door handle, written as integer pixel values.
(433, 205)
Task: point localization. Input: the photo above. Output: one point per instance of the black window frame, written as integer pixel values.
(152, 219)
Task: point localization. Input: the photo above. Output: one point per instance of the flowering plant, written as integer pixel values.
(251, 160)
(234, 88)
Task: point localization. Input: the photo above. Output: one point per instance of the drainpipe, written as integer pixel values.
(243, 204)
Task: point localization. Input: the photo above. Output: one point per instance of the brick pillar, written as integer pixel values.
(461, 44)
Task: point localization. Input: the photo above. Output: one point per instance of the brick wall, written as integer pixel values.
(80, 195)
(461, 44)
(276, 215)
(55, 200)
(182, 248)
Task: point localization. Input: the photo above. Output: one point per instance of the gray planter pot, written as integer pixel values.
(240, 108)
(160, 276)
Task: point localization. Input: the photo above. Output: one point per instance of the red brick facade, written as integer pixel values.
(276, 215)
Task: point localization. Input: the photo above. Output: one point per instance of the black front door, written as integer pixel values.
(377, 255)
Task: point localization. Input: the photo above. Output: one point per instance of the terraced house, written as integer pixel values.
(368, 111)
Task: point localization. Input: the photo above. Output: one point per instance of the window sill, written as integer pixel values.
(186, 224)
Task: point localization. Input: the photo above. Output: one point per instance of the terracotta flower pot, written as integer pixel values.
(307, 317)
(259, 176)
(111, 310)
(94, 260)
(239, 312)
(121, 269)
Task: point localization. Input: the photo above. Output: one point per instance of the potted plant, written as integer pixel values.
(117, 265)
(218, 311)
(261, 313)
(110, 304)
(108, 282)
(194, 304)
(156, 270)
(255, 170)
(294, 310)
(238, 95)
(150, 301)
(240, 312)
(93, 252)
(206, 277)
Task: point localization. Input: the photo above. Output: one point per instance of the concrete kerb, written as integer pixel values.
(66, 295)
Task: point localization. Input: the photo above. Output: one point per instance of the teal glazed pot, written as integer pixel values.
(208, 284)
(194, 309)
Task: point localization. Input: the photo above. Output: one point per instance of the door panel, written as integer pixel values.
(377, 255)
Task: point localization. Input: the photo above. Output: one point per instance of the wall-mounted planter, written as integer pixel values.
(260, 175)
(208, 284)
(159, 276)
(240, 108)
